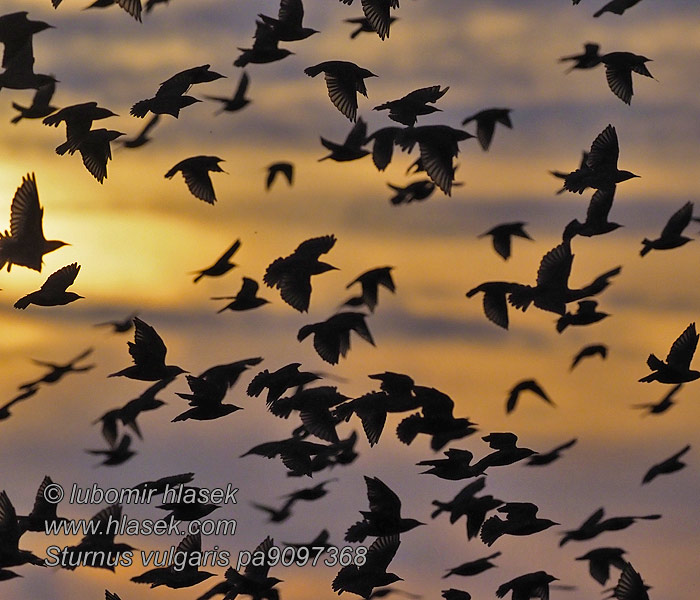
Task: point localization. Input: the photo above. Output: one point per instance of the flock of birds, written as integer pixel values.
(315, 445)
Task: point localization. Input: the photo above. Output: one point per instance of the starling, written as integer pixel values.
(332, 336)
(672, 233)
(676, 368)
(351, 148)
(245, 299)
(222, 265)
(284, 168)
(670, 465)
(239, 101)
(501, 235)
(618, 71)
(406, 110)
(53, 291)
(195, 170)
(486, 123)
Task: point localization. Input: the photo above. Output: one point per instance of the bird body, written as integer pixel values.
(53, 291)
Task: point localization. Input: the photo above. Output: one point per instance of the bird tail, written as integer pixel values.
(521, 297)
(313, 71)
(441, 508)
(257, 384)
(19, 117)
(344, 411)
(409, 428)
(647, 247)
(562, 323)
(22, 303)
(305, 332)
(281, 408)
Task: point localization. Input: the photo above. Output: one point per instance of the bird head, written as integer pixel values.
(624, 176)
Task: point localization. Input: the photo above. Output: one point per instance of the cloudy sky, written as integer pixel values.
(139, 236)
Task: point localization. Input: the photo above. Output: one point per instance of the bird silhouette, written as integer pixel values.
(121, 325)
(314, 406)
(78, 119)
(53, 291)
(617, 7)
(370, 282)
(601, 559)
(456, 466)
(96, 152)
(98, 546)
(589, 59)
(206, 400)
(222, 265)
(10, 532)
(630, 585)
(596, 222)
(520, 520)
(530, 585)
(506, 452)
(190, 505)
(525, 385)
(141, 138)
(545, 458)
(43, 511)
(255, 580)
(586, 314)
(332, 336)
(265, 47)
(676, 368)
(151, 3)
(672, 233)
(600, 170)
(25, 244)
(384, 515)
(118, 453)
(160, 485)
(179, 577)
(343, 79)
(383, 147)
(454, 594)
(362, 579)
(41, 104)
(245, 299)
(407, 109)
(486, 123)
(296, 454)
(351, 148)
(16, 34)
(670, 465)
(595, 525)
(238, 101)
(148, 353)
(657, 408)
(413, 192)
(466, 503)
(58, 370)
(618, 72)
(310, 494)
(287, 27)
(473, 567)
(591, 350)
(277, 515)
(195, 170)
(435, 419)
(438, 145)
(284, 168)
(133, 7)
(363, 25)
(501, 236)
(279, 381)
(292, 274)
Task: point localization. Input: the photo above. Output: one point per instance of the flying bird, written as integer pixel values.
(617, 7)
(587, 60)
(506, 452)
(141, 138)
(407, 109)
(133, 7)
(591, 350)
(287, 27)
(545, 458)
(586, 314)
(530, 585)
(10, 532)
(25, 244)
(630, 586)
(206, 400)
(351, 148)
(525, 385)
(362, 579)
(656, 408)
(596, 222)
(473, 567)
(78, 119)
(670, 465)
(117, 454)
(413, 192)
(601, 559)
(292, 274)
(265, 47)
(120, 325)
(672, 233)
(238, 101)
(520, 520)
(332, 336)
(195, 170)
(363, 25)
(246, 299)
(279, 381)
(58, 370)
(486, 123)
(600, 170)
(43, 512)
(595, 525)
(148, 353)
(370, 282)
(222, 265)
(676, 368)
(96, 152)
(285, 169)
(502, 234)
(618, 71)
(53, 291)
(456, 466)
(343, 79)
(41, 104)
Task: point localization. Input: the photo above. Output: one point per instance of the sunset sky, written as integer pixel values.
(139, 237)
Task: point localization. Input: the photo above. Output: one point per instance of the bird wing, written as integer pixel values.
(604, 150)
(291, 12)
(242, 86)
(382, 500)
(314, 247)
(199, 184)
(683, 348)
(9, 527)
(600, 205)
(61, 279)
(230, 252)
(259, 572)
(133, 7)
(555, 267)
(26, 214)
(678, 221)
(382, 552)
(630, 585)
(191, 546)
(358, 134)
(377, 13)
(620, 81)
(343, 94)
(249, 288)
(148, 347)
